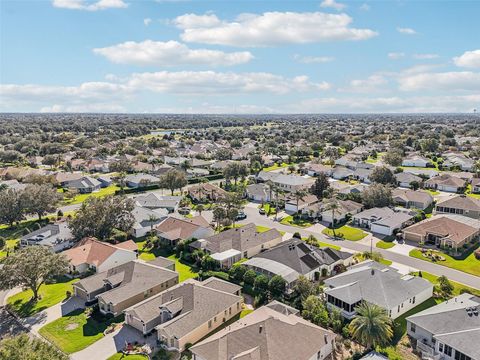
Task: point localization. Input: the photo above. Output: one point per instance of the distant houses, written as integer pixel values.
(57, 237)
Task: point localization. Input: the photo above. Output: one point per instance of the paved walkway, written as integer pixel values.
(397, 257)
(112, 343)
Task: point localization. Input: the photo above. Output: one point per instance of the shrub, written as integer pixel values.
(297, 235)
(118, 236)
(249, 277)
(26, 231)
(2, 242)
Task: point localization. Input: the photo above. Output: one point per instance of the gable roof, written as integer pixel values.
(446, 180)
(240, 238)
(266, 334)
(91, 251)
(412, 196)
(452, 324)
(375, 283)
(173, 228)
(50, 234)
(461, 202)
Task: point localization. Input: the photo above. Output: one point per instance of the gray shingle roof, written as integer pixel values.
(375, 283)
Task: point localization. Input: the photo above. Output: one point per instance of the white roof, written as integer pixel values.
(225, 255)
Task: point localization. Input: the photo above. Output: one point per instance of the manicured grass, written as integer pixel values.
(245, 312)
(457, 287)
(120, 356)
(74, 332)
(184, 271)
(386, 262)
(9, 246)
(275, 167)
(469, 265)
(349, 233)
(290, 220)
(50, 294)
(432, 192)
(101, 193)
(384, 244)
(468, 191)
(324, 244)
(267, 207)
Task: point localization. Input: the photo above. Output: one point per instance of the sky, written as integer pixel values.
(193, 56)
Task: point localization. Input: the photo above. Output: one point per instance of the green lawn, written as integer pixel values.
(324, 244)
(457, 287)
(468, 191)
(74, 332)
(469, 265)
(50, 294)
(101, 193)
(9, 245)
(120, 356)
(275, 167)
(432, 192)
(245, 312)
(384, 244)
(268, 207)
(348, 232)
(289, 220)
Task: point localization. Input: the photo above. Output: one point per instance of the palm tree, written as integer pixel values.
(152, 219)
(372, 326)
(271, 189)
(333, 206)
(278, 192)
(299, 195)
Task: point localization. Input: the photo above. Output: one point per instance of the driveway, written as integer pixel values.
(113, 343)
(400, 256)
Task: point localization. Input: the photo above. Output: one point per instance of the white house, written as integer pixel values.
(416, 161)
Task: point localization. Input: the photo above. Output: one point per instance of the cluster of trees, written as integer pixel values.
(35, 199)
(227, 209)
(23, 347)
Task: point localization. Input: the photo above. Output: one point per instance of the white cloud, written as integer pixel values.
(332, 4)
(89, 6)
(312, 59)
(372, 83)
(147, 21)
(365, 7)
(406, 31)
(269, 29)
(450, 81)
(395, 55)
(169, 53)
(469, 59)
(425, 56)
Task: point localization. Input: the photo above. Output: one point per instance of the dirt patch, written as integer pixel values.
(71, 327)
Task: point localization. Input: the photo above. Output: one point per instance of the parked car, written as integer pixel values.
(241, 216)
(184, 211)
(262, 211)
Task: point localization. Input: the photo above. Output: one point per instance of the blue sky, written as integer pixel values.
(245, 56)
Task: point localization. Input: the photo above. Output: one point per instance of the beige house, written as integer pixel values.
(187, 312)
(231, 245)
(444, 230)
(173, 230)
(446, 182)
(206, 192)
(272, 332)
(412, 199)
(99, 256)
(125, 285)
(460, 205)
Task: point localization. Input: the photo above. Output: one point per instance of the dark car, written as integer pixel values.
(241, 216)
(262, 211)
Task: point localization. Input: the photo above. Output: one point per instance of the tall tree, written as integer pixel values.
(31, 267)
(99, 216)
(372, 326)
(377, 195)
(173, 180)
(321, 185)
(12, 208)
(22, 347)
(299, 195)
(40, 199)
(382, 175)
(333, 207)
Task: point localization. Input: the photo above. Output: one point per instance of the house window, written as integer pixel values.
(461, 356)
(413, 328)
(398, 309)
(209, 324)
(413, 300)
(229, 311)
(447, 350)
(440, 347)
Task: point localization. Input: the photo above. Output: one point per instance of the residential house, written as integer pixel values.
(449, 330)
(230, 246)
(125, 285)
(163, 263)
(322, 212)
(186, 313)
(383, 220)
(105, 181)
(56, 237)
(405, 179)
(362, 175)
(412, 199)
(457, 160)
(146, 220)
(206, 192)
(446, 182)
(341, 173)
(377, 284)
(460, 205)
(13, 184)
(476, 185)
(421, 172)
(258, 192)
(154, 201)
(416, 160)
(317, 169)
(292, 183)
(444, 230)
(83, 185)
(293, 258)
(273, 332)
(291, 204)
(172, 230)
(141, 180)
(99, 256)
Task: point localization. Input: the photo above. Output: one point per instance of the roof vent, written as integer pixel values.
(469, 311)
(475, 311)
